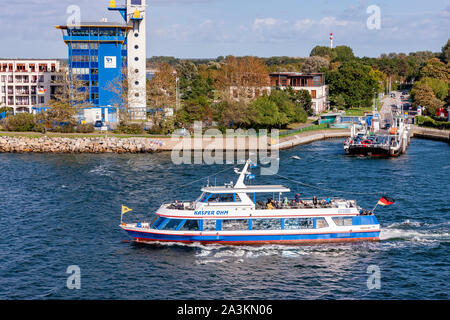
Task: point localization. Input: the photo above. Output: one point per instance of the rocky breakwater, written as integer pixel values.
(78, 145)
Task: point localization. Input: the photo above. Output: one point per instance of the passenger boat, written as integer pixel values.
(230, 214)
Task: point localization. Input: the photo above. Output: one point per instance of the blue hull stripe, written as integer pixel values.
(347, 236)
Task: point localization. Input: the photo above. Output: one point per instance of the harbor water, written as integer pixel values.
(64, 210)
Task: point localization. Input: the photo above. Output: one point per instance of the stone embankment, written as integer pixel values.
(431, 134)
(311, 136)
(78, 145)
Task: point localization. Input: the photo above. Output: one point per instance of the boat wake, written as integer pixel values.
(415, 232)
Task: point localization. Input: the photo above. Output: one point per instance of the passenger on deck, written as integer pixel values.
(286, 201)
(269, 204)
(178, 205)
(297, 198)
(315, 201)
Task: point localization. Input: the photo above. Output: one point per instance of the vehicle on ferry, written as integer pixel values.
(230, 214)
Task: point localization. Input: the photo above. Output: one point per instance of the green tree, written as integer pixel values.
(264, 113)
(303, 101)
(233, 114)
(354, 83)
(440, 87)
(423, 95)
(195, 109)
(434, 68)
(445, 55)
(314, 64)
(344, 54)
(325, 52)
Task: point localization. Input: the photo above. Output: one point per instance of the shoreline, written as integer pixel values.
(97, 144)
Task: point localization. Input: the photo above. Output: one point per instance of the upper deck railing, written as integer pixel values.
(337, 203)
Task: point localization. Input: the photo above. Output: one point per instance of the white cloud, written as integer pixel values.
(445, 13)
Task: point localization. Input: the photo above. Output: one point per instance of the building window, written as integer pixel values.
(136, 34)
(136, 71)
(136, 59)
(313, 94)
(136, 47)
(136, 83)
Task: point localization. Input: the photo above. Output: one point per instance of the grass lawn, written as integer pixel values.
(359, 112)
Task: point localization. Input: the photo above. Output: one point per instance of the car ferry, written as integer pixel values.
(230, 214)
(383, 143)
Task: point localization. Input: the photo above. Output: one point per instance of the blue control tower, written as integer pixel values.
(105, 53)
(98, 57)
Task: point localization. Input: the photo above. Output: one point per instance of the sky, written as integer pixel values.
(212, 28)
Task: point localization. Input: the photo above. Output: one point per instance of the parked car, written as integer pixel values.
(98, 124)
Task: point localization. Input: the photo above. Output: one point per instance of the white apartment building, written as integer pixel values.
(313, 82)
(27, 84)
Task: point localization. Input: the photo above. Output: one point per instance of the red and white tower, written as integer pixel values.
(331, 40)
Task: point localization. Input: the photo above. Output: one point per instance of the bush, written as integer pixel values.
(431, 123)
(133, 128)
(64, 128)
(85, 128)
(39, 127)
(22, 122)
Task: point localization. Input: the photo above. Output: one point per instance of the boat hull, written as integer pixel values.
(303, 238)
(370, 151)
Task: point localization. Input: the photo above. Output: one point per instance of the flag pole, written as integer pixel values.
(373, 210)
(124, 210)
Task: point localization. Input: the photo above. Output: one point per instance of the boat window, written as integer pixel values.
(172, 224)
(158, 222)
(266, 224)
(340, 221)
(229, 197)
(209, 225)
(234, 225)
(321, 223)
(190, 225)
(298, 223)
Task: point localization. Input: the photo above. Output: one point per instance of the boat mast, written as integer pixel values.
(240, 181)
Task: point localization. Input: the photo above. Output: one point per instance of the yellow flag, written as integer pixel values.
(126, 209)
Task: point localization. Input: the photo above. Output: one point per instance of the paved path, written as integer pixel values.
(387, 104)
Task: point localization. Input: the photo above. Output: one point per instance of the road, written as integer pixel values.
(388, 102)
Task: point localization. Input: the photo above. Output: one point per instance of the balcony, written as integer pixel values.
(22, 92)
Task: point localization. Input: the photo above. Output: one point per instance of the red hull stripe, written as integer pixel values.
(254, 234)
(262, 241)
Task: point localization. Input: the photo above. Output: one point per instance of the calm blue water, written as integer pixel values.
(62, 210)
